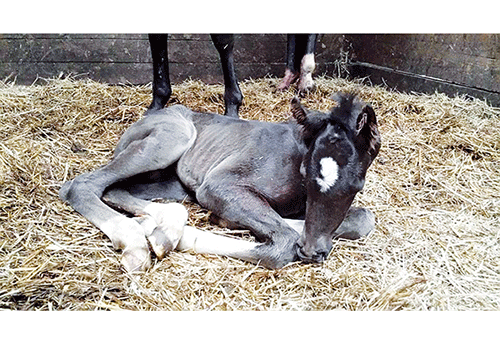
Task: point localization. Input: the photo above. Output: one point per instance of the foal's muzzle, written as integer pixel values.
(316, 257)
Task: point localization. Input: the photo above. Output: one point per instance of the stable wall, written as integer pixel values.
(448, 63)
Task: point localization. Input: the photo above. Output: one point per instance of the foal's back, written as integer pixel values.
(244, 147)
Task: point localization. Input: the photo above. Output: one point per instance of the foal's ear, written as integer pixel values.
(366, 113)
(298, 111)
(367, 130)
(309, 125)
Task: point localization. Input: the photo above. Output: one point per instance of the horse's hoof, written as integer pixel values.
(170, 219)
(306, 86)
(288, 80)
(160, 243)
(136, 260)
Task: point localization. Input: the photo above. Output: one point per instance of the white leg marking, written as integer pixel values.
(148, 224)
(204, 242)
(170, 219)
(124, 232)
(329, 174)
(295, 224)
(127, 234)
(307, 67)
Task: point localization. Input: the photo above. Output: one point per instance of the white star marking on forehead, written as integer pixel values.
(329, 174)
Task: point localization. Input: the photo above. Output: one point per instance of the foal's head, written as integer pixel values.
(341, 146)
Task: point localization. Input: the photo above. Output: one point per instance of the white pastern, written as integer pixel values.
(307, 64)
(124, 232)
(329, 174)
(128, 235)
(295, 224)
(170, 218)
(306, 69)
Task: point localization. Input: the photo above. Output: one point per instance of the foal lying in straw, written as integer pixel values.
(250, 174)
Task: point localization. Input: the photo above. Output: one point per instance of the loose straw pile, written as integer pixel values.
(435, 189)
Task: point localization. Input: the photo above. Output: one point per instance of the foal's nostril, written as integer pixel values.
(316, 257)
(320, 256)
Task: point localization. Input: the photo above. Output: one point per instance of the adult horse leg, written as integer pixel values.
(232, 93)
(292, 70)
(299, 62)
(140, 153)
(161, 77)
(307, 64)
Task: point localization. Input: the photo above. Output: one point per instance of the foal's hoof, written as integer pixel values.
(160, 243)
(136, 260)
(170, 220)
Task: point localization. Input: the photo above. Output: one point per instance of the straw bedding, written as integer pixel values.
(435, 190)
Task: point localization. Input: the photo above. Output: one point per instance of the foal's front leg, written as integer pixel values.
(359, 222)
(223, 194)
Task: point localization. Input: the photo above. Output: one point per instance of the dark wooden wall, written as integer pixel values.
(448, 63)
(126, 58)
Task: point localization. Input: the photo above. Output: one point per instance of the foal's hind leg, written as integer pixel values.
(149, 153)
(163, 223)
